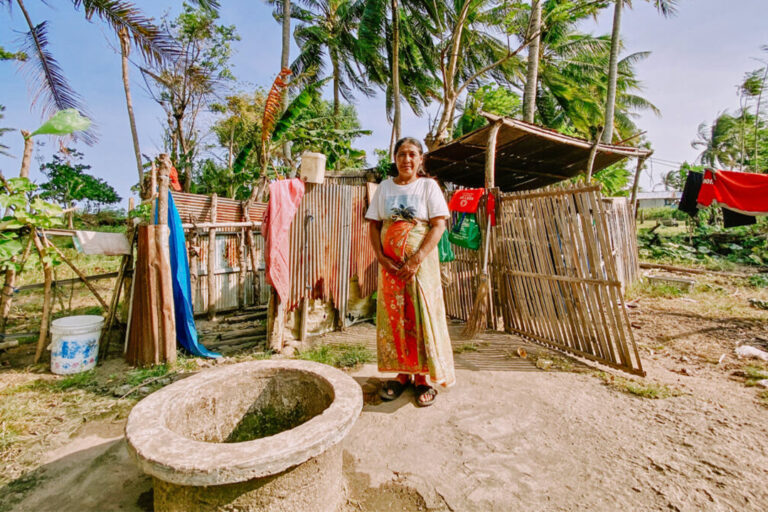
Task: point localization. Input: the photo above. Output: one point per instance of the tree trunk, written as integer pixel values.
(125, 49)
(285, 57)
(613, 73)
(336, 102)
(70, 216)
(532, 76)
(10, 283)
(47, 297)
(395, 76)
(26, 158)
(284, 63)
(756, 165)
(183, 162)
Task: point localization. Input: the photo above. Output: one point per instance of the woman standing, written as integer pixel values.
(407, 218)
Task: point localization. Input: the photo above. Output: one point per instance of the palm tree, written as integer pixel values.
(472, 52)
(572, 83)
(328, 30)
(125, 50)
(666, 8)
(396, 48)
(532, 73)
(719, 142)
(43, 70)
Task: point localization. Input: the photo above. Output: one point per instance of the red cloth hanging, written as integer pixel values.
(743, 192)
(174, 180)
(466, 200)
(284, 199)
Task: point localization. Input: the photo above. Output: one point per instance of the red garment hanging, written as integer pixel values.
(742, 192)
(284, 199)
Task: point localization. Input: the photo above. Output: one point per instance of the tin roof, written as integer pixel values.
(527, 156)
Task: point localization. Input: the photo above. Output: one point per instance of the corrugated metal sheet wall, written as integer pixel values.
(326, 252)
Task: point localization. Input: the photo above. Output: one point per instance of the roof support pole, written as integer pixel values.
(593, 154)
(490, 155)
(633, 200)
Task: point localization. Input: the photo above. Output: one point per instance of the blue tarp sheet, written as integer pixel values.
(186, 332)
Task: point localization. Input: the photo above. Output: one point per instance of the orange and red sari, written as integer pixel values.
(412, 333)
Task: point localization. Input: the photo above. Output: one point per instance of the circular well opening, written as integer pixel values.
(250, 405)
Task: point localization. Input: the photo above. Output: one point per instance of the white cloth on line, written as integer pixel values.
(95, 242)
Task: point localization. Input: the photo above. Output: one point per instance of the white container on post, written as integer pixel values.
(312, 167)
(75, 343)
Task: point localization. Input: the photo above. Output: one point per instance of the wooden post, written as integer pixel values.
(152, 189)
(593, 154)
(165, 308)
(47, 297)
(243, 264)
(490, 155)
(633, 201)
(212, 261)
(253, 253)
(194, 261)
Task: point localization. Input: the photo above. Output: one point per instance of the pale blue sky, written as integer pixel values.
(698, 58)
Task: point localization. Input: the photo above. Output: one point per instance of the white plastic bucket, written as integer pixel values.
(313, 167)
(75, 343)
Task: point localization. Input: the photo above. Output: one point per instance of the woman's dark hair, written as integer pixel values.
(408, 140)
(415, 142)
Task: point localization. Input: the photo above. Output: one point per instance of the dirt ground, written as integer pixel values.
(510, 436)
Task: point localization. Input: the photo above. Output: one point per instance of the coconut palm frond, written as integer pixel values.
(52, 90)
(155, 44)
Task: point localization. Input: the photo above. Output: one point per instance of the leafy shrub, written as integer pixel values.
(664, 212)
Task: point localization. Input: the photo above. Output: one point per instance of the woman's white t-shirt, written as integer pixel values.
(421, 199)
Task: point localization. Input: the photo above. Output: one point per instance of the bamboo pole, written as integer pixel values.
(82, 276)
(593, 154)
(223, 225)
(212, 260)
(633, 201)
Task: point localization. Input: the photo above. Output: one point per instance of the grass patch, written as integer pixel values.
(549, 361)
(753, 374)
(758, 281)
(763, 397)
(340, 356)
(645, 389)
(141, 375)
(466, 347)
(83, 380)
(647, 288)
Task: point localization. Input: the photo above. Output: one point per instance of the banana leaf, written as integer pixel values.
(63, 122)
(298, 106)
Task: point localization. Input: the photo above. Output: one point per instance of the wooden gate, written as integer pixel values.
(556, 278)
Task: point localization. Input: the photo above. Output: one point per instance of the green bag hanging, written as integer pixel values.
(444, 249)
(465, 233)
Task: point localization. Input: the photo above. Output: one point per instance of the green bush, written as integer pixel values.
(663, 212)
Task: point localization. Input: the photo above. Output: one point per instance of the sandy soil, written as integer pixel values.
(511, 437)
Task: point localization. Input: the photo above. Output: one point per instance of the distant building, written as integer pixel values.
(658, 199)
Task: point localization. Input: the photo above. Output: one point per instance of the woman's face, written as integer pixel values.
(408, 160)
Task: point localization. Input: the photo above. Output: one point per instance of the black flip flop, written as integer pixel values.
(425, 390)
(391, 389)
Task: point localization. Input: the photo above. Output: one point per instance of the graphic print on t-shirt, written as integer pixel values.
(402, 207)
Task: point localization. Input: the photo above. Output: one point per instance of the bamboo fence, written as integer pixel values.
(622, 234)
(556, 275)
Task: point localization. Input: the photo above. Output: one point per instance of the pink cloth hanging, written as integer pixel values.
(284, 199)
